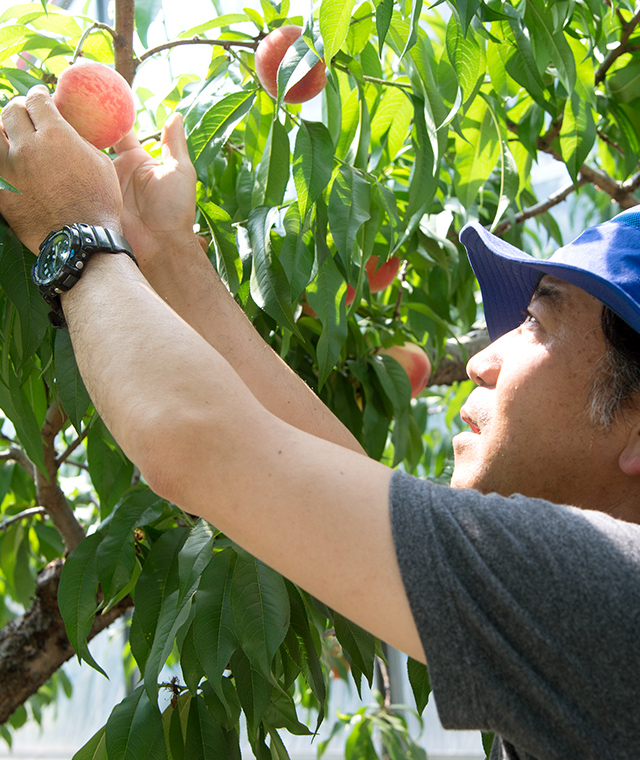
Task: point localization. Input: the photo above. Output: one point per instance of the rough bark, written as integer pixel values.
(123, 41)
(452, 366)
(49, 493)
(34, 645)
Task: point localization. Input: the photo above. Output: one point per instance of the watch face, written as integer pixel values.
(54, 257)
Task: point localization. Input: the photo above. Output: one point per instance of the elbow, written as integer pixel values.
(163, 450)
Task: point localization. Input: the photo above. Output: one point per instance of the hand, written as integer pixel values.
(62, 179)
(159, 197)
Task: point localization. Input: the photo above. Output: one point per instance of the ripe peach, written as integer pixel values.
(270, 53)
(384, 276)
(414, 361)
(96, 101)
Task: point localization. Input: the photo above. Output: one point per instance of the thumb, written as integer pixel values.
(128, 142)
(174, 141)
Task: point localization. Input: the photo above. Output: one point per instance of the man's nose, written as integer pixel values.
(484, 367)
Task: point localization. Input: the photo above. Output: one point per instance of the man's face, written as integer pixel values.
(530, 432)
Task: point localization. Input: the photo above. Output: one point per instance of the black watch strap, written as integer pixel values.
(89, 239)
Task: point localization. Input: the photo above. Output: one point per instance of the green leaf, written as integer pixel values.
(334, 19)
(171, 617)
(416, 9)
(194, 557)
(467, 57)
(145, 14)
(393, 380)
(327, 297)
(134, 729)
(466, 10)
(420, 684)
(312, 162)
(15, 279)
(77, 596)
(349, 209)
(254, 690)
(477, 152)
(17, 407)
(309, 660)
(157, 581)
(110, 470)
(577, 135)
(217, 124)
(358, 646)
(296, 254)
(94, 749)
(297, 62)
(272, 176)
(205, 738)
(116, 554)
(258, 126)
(214, 637)
(270, 288)
(550, 45)
(4, 185)
(384, 12)
(69, 384)
(259, 609)
(228, 262)
(360, 28)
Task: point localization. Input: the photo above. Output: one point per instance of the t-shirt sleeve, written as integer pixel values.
(529, 616)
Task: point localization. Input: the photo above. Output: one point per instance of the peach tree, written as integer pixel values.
(429, 117)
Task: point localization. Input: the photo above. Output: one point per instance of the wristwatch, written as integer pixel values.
(62, 259)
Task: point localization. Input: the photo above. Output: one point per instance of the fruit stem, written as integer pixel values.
(96, 25)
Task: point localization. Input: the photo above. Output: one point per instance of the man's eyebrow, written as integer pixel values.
(549, 289)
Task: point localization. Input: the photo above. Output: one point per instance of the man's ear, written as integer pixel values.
(629, 460)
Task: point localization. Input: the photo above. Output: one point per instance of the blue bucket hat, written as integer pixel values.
(604, 261)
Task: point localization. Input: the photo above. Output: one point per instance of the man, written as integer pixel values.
(528, 613)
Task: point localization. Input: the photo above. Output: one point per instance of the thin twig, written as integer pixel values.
(72, 447)
(22, 516)
(613, 55)
(16, 454)
(197, 40)
(87, 32)
(539, 208)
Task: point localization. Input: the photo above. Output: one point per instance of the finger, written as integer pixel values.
(174, 141)
(41, 108)
(128, 142)
(15, 119)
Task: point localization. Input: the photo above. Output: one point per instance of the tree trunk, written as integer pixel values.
(34, 645)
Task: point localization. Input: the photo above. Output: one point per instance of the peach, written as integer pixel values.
(96, 101)
(381, 279)
(414, 361)
(269, 55)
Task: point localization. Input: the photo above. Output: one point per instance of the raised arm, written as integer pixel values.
(158, 217)
(309, 508)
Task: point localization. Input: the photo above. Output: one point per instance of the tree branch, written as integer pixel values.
(452, 367)
(16, 454)
(197, 40)
(34, 645)
(48, 492)
(22, 516)
(539, 208)
(621, 49)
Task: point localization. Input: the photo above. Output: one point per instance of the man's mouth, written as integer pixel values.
(467, 419)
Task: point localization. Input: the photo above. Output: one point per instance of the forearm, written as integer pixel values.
(184, 277)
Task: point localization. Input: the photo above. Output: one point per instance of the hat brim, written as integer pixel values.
(508, 277)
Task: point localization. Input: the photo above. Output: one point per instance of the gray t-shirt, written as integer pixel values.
(529, 615)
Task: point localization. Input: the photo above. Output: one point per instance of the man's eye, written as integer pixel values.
(528, 316)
